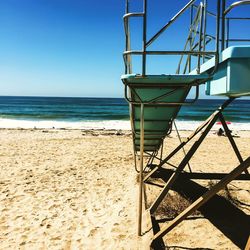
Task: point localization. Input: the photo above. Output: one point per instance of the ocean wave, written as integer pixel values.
(103, 124)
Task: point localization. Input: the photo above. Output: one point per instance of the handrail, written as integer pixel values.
(217, 44)
(238, 40)
(238, 18)
(144, 37)
(223, 7)
(168, 52)
(190, 39)
(208, 12)
(200, 38)
(133, 14)
(128, 15)
(204, 27)
(221, 37)
(170, 22)
(235, 4)
(144, 52)
(224, 13)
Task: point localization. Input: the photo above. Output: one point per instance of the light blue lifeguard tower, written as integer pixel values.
(155, 100)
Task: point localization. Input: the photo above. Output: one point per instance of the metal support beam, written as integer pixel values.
(144, 55)
(141, 172)
(166, 173)
(223, 24)
(247, 247)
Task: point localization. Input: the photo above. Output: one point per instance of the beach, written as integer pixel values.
(77, 189)
(120, 134)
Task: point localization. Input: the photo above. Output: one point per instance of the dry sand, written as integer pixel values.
(72, 189)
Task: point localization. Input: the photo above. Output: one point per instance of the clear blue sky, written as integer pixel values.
(74, 47)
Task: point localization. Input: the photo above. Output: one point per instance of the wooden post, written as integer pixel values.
(208, 124)
(247, 247)
(183, 163)
(229, 136)
(204, 198)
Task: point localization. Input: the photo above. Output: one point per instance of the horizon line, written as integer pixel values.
(45, 96)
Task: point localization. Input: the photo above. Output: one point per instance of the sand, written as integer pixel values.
(73, 189)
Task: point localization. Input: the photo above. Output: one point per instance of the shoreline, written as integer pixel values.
(119, 132)
(105, 125)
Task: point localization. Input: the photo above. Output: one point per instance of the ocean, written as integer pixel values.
(104, 113)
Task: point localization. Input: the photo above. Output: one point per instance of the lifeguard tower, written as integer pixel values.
(155, 100)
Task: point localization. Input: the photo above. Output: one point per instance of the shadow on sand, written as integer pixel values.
(226, 217)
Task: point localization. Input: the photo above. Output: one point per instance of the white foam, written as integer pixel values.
(191, 125)
(110, 124)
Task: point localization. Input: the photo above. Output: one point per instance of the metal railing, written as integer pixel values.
(226, 23)
(198, 26)
(144, 52)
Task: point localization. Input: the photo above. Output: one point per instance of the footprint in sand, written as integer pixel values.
(98, 212)
(118, 233)
(115, 229)
(93, 232)
(18, 197)
(122, 213)
(51, 207)
(56, 238)
(67, 245)
(3, 228)
(108, 190)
